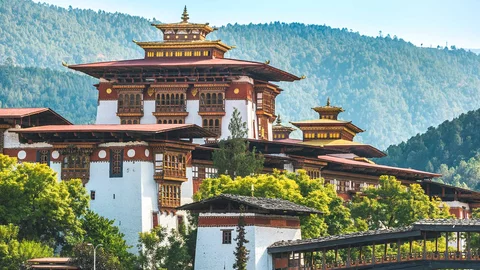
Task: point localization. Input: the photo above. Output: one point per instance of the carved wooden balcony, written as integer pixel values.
(212, 108)
(130, 111)
(177, 108)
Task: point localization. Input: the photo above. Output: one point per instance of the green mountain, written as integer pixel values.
(69, 94)
(452, 149)
(386, 85)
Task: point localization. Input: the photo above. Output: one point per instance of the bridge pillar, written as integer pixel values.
(424, 245)
(324, 263)
(373, 253)
(446, 246)
(399, 255)
(469, 254)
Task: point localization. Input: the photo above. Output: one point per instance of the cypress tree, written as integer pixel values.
(241, 252)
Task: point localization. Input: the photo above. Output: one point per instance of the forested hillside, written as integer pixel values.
(386, 85)
(452, 149)
(69, 94)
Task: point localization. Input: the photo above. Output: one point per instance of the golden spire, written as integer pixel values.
(279, 121)
(328, 101)
(185, 15)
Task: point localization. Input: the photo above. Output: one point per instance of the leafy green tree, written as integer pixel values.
(100, 230)
(234, 157)
(14, 253)
(41, 207)
(394, 205)
(152, 248)
(83, 258)
(296, 187)
(178, 257)
(241, 252)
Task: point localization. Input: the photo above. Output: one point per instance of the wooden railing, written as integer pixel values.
(388, 259)
(171, 108)
(212, 108)
(130, 110)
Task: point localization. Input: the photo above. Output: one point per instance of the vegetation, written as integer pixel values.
(233, 157)
(39, 214)
(295, 187)
(13, 253)
(388, 86)
(241, 252)
(161, 250)
(83, 258)
(452, 149)
(393, 205)
(71, 95)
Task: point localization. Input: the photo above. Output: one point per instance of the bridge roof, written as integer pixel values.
(414, 232)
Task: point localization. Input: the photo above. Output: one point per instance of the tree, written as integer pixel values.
(42, 208)
(152, 248)
(296, 187)
(161, 250)
(233, 157)
(100, 230)
(14, 253)
(241, 252)
(394, 205)
(83, 258)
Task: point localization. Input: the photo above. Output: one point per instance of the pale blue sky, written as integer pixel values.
(431, 22)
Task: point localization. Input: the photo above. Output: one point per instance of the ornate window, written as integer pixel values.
(170, 164)
(130, 120)
(313, 173)
(169, 195)
(116, 162)
(171, 102)
(227, 237)
(130, 102)
(171, 120)
(155, 219)
(212, 102)
(92, 195)
(76, 163)
(43, 157)
(213, 124)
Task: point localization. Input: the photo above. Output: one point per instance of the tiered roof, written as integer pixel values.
(28, 117)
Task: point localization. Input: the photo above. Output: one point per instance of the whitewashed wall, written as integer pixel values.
(148, 110)
(107, 112)
(209, 245)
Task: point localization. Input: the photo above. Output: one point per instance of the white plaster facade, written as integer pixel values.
(107, 112)
(212, 254)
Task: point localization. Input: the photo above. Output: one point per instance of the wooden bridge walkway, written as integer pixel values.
(361, 250)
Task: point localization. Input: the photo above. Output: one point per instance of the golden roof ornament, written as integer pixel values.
(185, 15)
(328, 101)
(279, 121)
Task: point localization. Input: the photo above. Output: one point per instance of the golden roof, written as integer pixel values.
(279, 127)
(182, 44)
(328, 108)
(185, 25)
(328, 142)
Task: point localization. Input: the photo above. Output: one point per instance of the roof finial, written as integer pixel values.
(328, 102)
(185, 15)
(279, 121)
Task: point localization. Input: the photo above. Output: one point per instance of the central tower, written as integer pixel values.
(185, 78)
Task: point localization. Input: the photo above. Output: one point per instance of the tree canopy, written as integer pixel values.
(295, 187)
(392, 205)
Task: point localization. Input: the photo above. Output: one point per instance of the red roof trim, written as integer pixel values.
(146, 128)
(24, 112)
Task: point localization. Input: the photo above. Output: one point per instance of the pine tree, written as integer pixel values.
(241, 252)
(234, 158)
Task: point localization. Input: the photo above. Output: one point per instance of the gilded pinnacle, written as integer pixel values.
(328, 102)
(185, 15)
(279, 121)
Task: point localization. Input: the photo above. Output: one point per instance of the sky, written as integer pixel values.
(427, 22)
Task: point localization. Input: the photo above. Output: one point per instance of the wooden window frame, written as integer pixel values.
(43, 156)
(227, 236)
(116, 163)
(213, 124)
(129, 120)
(212, 101)
(169, 195)
(170, 102)
(76, 163)
(92, 195)
(130, 102)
